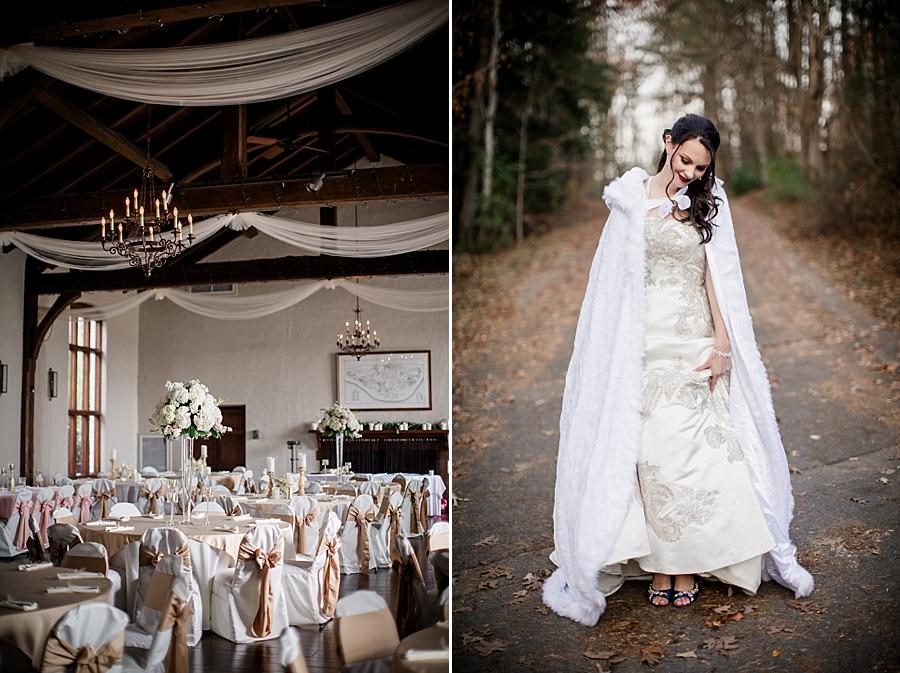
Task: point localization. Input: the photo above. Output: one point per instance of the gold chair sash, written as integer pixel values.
(366, 636)
(59, 655)
(104, 499)
(331, 576)
(176, 616)
(152, 498)
(396, 529)
(150, 557)
(92, 564)
(265, 560)
(416, 524)
(422, 511)
(363, 521)
(411, 599)
(300, 524)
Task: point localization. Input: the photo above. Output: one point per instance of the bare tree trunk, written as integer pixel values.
(487, 176)
(522, 163)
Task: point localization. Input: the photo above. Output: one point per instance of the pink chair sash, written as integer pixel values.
(46, 509)
(23, 507)
(85, 502)
(64, 501)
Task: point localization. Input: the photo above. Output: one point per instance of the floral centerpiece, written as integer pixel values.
(341, 421)
(188, 409)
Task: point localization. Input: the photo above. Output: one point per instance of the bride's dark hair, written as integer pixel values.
(703, 204)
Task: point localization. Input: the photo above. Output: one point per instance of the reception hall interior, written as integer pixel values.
(224, 337)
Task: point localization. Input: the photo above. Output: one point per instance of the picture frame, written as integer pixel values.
(384, 381)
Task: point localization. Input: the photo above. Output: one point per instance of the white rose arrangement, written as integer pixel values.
(339, 420)
(188, 409)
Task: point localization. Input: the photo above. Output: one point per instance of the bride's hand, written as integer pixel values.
(718, 366)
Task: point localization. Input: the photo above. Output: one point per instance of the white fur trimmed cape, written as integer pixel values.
(600, 424)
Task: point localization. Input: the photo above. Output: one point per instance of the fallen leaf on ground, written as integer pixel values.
(606, 655)
(808, 607)
(488, 647)
(532, 582)
(485, 586)
(776, 653)
(779, 628)
(494, 571)
(520, 594)
(475, 636)
(488, 541)
(723, 609)
(722, 644)
(687, 655)
(652, 655)
(859, 501)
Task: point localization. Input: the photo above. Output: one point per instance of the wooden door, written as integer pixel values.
(231, 450)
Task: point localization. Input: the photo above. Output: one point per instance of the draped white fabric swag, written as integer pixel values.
(368, 241)
(228, 307)
(247, 71)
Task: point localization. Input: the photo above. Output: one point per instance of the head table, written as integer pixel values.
(29, 630)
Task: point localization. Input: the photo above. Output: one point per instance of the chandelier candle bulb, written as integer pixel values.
(103, 226)
(135, 198)
(141, 211)
(151, 233)
(120, 232)
(127, 207)
(157, 209)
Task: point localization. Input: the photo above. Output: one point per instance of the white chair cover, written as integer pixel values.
(239, 468)
(84, 503)
(314, 488)
(139, 567)
(104, 497)
(210, 506)
(230, 506)
(122, 509)
(64, 515)
(152, 496)
(307, 525)
(307, 582)
(356, 535)
(438, 536)
(92, 556)
(236, 595)
(366, 631)
(61, 537)
(162, 650)
(218, 490)
(65, 491)
(59, 479)
(291, 656)
(9, 528)
(149, 472)
(90, 635)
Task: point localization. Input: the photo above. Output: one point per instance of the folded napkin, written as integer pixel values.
(242, 517)
(28, 567)
(227, 529)
(100, 523)
(13, 604)
(427, 655)
(259, 521)
(153, 516)
(78, 575)
(119, 529)
(74, 589)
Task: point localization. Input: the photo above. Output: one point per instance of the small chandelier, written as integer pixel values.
(147, 240)
(359, 340)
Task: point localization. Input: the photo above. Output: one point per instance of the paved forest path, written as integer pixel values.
(834, 375)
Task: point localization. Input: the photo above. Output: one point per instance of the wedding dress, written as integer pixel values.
(694, 509)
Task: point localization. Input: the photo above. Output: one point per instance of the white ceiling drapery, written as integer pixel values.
(249, 307)
(376, 240)
(248, 71)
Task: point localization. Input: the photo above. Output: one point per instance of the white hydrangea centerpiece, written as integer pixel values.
(188, 409)
(339, 420)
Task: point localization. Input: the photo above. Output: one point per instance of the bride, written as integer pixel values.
(670, 461)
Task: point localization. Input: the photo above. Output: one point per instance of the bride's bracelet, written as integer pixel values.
(720, 353)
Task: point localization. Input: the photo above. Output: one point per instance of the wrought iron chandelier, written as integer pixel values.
(359, 340)
(149, 235)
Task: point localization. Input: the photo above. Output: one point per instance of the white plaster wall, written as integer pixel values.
(120, 407)
(12, 282)
(282, 367)
(51, 417)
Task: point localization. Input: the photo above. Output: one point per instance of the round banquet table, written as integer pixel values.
(339, 504)
(28, 631)
(433, 638)
(228, 541)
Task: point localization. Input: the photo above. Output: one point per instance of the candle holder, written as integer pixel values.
(271, 483)
(112, 465)
(301, 489)
(292, 447)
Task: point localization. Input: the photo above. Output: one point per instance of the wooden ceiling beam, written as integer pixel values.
(151, 18)
(99, 131)
(371, 153)
(366, 184)
(234, 142)
(245, 271)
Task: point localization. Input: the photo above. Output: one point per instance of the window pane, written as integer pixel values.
(92, 382)
(92, 333)
(78, 449)
(79, 380)
(91, 442)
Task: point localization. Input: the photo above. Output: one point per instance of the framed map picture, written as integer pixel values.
(389, 381)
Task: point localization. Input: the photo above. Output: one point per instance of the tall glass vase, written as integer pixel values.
(184, 448)
(339, 457)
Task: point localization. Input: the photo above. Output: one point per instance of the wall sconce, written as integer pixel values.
(52, 377)
(4, 376)
(316, 184)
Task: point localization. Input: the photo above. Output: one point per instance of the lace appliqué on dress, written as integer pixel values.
(670, 508)
(674, 383)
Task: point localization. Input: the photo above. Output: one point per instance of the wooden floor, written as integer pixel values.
(214, 653)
